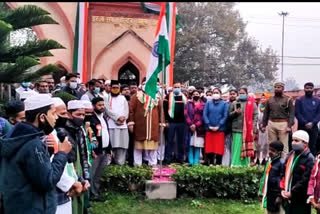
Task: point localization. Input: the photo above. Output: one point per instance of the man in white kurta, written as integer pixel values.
(119, 136)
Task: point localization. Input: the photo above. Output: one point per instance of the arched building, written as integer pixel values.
(120, 37)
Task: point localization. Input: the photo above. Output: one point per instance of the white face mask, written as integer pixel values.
(209, 97)
(216, 96)
(73, 85)
(78, 80)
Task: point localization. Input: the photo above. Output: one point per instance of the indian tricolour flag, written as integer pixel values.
(160, 57)
(80, 41)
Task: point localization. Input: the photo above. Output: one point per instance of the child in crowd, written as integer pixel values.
(270, 183)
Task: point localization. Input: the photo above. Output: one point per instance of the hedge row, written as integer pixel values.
(197, 181)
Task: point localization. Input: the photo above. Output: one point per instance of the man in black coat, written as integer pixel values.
(296, 175)
(99, 125)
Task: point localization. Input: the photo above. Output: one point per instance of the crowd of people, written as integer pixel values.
(58, 138)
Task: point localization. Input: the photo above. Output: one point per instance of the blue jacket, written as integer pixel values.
(215, 113)
(307, 110)
(28, 179)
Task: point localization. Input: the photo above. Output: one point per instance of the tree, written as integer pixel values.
(212, 48)
(291, 84)
(17, 60)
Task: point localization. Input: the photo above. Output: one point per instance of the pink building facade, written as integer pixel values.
(120, 37)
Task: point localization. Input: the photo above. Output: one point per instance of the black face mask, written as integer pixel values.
(87, 118)
(61, 121)
(46, 127)
(78, 121)
(101, 89)
(196, 98)
(308, 93)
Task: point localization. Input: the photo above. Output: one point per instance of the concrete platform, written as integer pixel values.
(161, 189)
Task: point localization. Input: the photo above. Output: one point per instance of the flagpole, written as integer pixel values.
(162, 116)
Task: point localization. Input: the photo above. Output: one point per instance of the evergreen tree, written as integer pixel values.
(17, 62)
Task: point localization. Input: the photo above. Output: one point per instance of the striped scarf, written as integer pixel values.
(147, 101)
(171, 103)
(291, 163)
(264, 183)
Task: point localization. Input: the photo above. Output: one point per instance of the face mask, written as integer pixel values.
(78, 121)
(78, 81)
(46, 127)
(177, 91)
(216, 96)
(73, 85)
(196, 98)
(243, 97)
(87, 118)
(61, 122)
(101, 89)
(297, 147)
(209, 97)
(115, 91)
(158, 88)
(25, 84)
(309, 93)
(96, 90)
(63, 85)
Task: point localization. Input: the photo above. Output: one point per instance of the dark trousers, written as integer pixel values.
(179, 129)
(130, 149)
(313, 136)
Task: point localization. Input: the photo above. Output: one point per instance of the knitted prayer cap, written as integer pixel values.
(277, 145)
(302, 135)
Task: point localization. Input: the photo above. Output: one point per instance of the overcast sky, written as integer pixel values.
(302, 35)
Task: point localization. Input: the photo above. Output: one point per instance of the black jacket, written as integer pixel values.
(178, 110)
(274, 190)
(77, 138)
(28, 179)
(301, 175)
(73, 92)
(94, 122)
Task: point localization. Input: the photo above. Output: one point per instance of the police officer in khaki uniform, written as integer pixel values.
(279, 116)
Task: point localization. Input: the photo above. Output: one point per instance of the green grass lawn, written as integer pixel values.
(128, 204)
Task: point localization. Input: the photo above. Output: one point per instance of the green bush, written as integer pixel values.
(126, 178)
(219, 182)
(197, 181)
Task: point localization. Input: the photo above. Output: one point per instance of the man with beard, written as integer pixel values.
(119, 136)
(278, 116)
(79, 154)
(307, 110)
(94, 90)
(125, 91)
(99, 125)
(133, 88)
(145, 126)
(27, 174)
(68, 185)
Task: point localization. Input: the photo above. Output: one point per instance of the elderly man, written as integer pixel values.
(278, 116)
